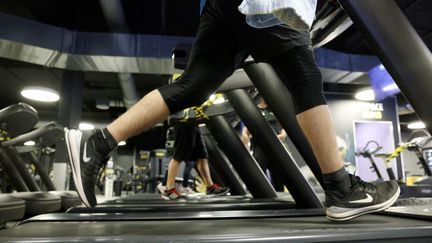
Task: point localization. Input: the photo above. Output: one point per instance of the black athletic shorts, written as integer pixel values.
(223, 42)
(189, 145)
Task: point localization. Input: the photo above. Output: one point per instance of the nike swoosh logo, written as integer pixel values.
(85, 158)
(368, 199)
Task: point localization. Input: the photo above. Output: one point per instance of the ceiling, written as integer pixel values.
(152, 17)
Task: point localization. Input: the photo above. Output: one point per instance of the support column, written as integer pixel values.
(22, 169)
(221, 164)
(69, 116)
(43, 173)
(267, 139)
(400, 48)
(245, 165)
(71, 99)
(279, 99)
(12, 172)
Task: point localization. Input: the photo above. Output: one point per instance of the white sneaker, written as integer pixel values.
(161, 188)
(189, 191)
(186, 191)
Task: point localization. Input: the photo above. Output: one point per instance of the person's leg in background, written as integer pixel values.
(199, 153)
(162, 185)
(171, 192)
(275, 178)
(189, 165)
(204, 170)
(263, 162)
(213, 58)
(184, 138)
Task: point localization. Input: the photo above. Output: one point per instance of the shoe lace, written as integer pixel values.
(366, 185)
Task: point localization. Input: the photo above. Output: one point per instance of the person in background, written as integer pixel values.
(189, 146)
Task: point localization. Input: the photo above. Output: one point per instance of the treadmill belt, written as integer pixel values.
(293, 229)
(412, 211)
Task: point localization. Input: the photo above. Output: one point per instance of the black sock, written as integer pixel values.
(104, 141)
(337, 181)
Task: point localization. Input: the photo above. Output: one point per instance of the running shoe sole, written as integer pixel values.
(218, 194)
(71, 137)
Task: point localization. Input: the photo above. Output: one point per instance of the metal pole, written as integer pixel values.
(42, 173)
(12, 172)
(22, 169)
(297, 185)
(278, 98)
(245, 165)
(221, 164)
(400, 48)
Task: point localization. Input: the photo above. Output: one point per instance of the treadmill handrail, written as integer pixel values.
(33, 135)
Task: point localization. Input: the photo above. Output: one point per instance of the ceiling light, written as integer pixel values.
(365, 95)
(122, 143)
(86, 126)
(40, 94)
(29, 143)
(416, 125)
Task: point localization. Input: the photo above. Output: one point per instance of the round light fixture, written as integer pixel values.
(416, 125)
(29, 143)
(122, 143)
(40, 94)
(86, 126)
(365, 95)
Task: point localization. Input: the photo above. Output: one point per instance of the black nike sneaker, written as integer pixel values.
(363, 198)
(217, 190)
(86, 163)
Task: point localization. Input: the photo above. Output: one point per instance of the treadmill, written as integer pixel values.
(294, 225)
(262, 195)
(11, 209)
(45, 137)
(213, 224)
(16, 120)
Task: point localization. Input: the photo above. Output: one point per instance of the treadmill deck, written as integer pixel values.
(293, 229)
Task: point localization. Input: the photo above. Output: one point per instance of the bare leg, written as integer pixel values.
(317, 125)
(173, 167)
(203, 168)
(143, 115)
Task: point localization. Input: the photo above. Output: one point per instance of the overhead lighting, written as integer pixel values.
(122, 143)
(416, 125)
(29, 143)
(86, 126)
(365, 95)
(40, 94)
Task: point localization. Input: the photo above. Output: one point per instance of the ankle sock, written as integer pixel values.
(104, 141)
(338, 181)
